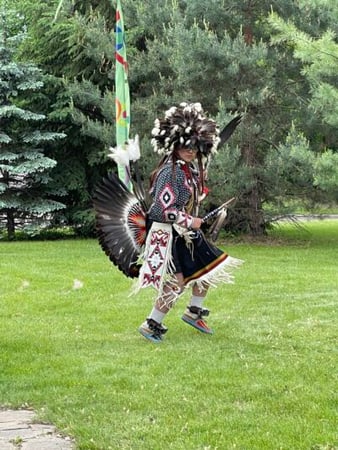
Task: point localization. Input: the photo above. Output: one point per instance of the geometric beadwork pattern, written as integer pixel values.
(156, 260)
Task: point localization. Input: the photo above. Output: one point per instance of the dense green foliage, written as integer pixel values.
(25, 182)
(265, 380)
(272, 61)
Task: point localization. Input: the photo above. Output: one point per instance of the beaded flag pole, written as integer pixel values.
(122, 97)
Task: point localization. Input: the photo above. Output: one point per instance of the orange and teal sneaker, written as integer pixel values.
(194, 316)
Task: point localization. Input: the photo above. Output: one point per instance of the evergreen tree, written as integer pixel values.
(72, 42)
(219, 53)
(229, 67)
(222, 56)
(24, 168)
(318, 54)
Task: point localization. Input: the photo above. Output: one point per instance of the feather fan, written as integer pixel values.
(120, 224)
(215, 228)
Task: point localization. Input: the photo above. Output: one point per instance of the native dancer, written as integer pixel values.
(163, 244)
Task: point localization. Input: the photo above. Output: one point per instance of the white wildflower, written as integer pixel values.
(77, 284)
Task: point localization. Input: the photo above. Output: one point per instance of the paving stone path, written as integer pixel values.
(19, 430)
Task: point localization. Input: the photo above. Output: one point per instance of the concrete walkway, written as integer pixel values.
(19, 430)
(305, 217)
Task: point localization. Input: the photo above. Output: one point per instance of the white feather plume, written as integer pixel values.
(133, 148)
(123, 155)
(119, 155)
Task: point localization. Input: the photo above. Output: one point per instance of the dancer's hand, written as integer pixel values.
(196, 223)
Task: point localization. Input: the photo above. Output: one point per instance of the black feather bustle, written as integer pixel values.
(120, 224)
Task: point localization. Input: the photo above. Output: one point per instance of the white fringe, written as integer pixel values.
(222, 273)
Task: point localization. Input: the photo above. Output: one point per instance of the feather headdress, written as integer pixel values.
(185, 126)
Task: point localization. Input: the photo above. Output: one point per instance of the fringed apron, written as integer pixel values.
(170, 249)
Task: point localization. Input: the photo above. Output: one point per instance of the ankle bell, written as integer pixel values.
(201, 312)
(156, 327)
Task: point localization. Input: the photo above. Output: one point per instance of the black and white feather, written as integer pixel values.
(229, 129)
(188, 126)
(185, 126)
(120, 224)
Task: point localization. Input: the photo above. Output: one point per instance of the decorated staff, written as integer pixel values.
(122, 100)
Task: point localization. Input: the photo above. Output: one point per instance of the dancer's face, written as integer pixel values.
(187, 154)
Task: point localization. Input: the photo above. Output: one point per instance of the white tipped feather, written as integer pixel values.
(119, 155)
(130, 152)
(133, 148)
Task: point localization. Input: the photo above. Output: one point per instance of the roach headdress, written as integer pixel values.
(185, 126)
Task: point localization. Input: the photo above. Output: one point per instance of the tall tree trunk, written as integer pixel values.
(10, 224)
(252, 199)
(255, 217)
(254, 220)
(248, 20)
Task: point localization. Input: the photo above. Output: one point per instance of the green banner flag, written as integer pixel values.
(122, 97)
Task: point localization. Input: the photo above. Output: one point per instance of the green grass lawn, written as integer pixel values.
(267, 378)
